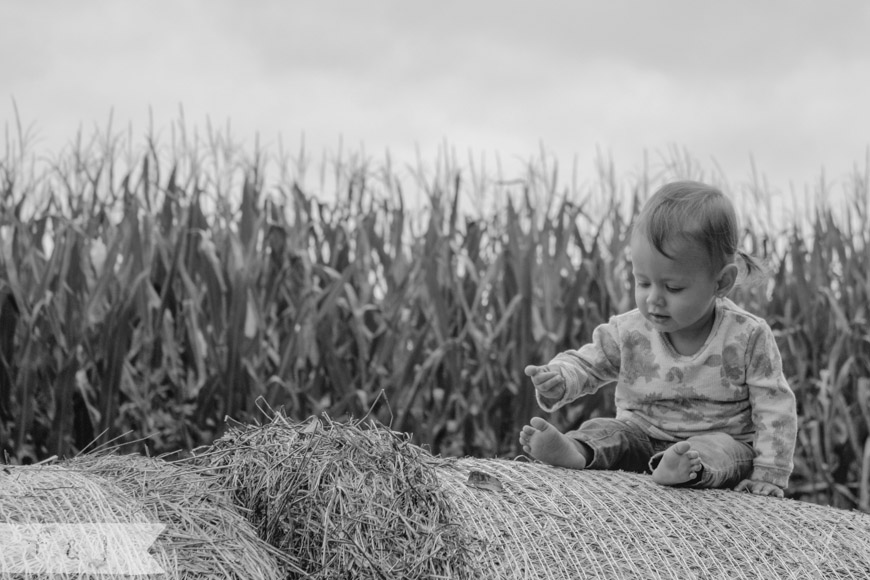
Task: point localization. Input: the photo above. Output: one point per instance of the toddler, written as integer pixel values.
(700, 395)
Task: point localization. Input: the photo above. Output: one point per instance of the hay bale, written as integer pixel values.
(205, 535)
(354, 502)
(344, 501)
(546, 522)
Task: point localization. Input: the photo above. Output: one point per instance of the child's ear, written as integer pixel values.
(726, 280)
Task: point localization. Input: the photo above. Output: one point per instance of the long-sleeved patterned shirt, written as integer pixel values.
(734, 384)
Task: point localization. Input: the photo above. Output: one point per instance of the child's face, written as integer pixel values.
(676, 295)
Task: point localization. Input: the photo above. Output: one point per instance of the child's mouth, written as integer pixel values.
(659, 318)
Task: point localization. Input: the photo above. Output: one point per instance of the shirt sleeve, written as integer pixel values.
(774, 412)
(587, 369)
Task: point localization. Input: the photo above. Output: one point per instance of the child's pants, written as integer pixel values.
(618, 444)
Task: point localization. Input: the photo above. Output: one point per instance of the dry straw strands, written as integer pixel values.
(354, 502)
(205, 536)
(346, 502)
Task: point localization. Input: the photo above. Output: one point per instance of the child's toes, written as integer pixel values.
(538, 424)
(682, 447)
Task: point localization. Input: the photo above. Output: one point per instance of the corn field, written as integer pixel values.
(148, 296)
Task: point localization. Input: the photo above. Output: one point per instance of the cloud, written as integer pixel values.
(780, 79)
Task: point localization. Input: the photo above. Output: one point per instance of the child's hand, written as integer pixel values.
(759, 488)
(549, 383)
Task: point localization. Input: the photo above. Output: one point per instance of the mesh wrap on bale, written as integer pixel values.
(205, 535)
(350, 501)
(554, 523)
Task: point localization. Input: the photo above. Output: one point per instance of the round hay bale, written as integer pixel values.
(354, 502)
(205, 535)
(543, 522)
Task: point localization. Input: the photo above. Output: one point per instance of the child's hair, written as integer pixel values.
(697, 213)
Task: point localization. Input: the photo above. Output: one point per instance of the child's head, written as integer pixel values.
(689, 214)
(683, 247)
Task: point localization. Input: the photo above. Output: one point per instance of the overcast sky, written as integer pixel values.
(784, 81)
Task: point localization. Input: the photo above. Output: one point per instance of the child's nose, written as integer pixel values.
(654, 298)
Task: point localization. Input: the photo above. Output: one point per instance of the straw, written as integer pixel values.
(205, 536)
(345, 501)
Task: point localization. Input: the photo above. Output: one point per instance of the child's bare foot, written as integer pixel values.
(546, 443)
(679, 464)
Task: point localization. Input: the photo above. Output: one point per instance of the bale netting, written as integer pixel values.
(354, 501)
(204, 536)
(538, 521)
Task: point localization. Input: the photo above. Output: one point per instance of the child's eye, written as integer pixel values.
(643, 284)
(673, 290)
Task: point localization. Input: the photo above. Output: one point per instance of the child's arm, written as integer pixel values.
(574, 373)
(774, 413)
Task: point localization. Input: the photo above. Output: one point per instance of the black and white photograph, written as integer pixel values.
(392, 289)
